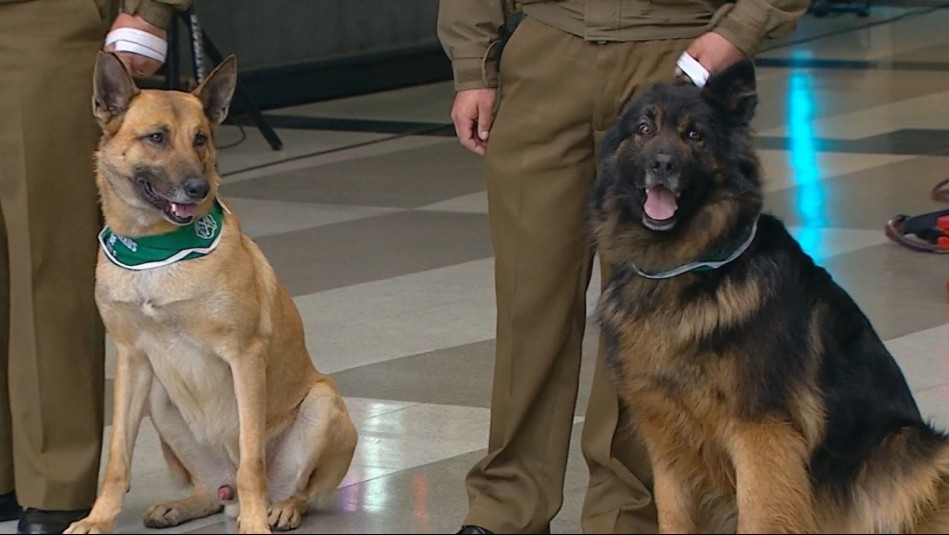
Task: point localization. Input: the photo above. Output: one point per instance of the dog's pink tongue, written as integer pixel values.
(660, 203)
(183, 210)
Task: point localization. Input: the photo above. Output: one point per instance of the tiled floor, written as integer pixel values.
(383, 241)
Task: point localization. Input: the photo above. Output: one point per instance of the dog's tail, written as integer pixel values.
(903, 486)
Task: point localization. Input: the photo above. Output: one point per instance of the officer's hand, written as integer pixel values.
(714, 52)
(472, 114)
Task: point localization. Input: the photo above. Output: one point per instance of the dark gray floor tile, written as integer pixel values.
(403, 179)
(343, 254)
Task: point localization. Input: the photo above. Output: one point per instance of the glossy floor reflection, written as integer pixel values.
(385, 247)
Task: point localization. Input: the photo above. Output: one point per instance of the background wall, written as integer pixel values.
(293, 51)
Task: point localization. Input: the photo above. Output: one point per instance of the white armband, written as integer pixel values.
(138, 42)
(693, 69)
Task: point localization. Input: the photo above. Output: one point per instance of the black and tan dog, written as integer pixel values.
(209, 343)
(757, 384)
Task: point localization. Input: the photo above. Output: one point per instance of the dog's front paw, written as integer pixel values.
(164, 515)
(168, 514)
(285, 515)
(87, 526)
(255, 525)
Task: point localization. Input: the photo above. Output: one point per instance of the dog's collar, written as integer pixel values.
(709, 263)
(194, 240)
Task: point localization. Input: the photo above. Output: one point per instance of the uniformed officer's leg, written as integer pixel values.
(9, 509)
(50, 209)
(619, 498)
(540, 167)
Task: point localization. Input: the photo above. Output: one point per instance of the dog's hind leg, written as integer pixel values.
(903, 486)
(310, 458)
(189, 461)
(926, 485)
(936, 520)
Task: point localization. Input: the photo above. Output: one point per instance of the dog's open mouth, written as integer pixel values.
(180, 214)
(659, 210)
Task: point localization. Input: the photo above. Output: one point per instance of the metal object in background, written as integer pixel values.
(202, 45)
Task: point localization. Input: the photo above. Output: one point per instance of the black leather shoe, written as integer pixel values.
(37, 521)
(475, 530)
(9, 508)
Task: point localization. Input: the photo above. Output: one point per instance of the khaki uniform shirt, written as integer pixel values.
(469, 30)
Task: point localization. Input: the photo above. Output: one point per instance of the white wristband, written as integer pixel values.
(138, 42)
(693, 69)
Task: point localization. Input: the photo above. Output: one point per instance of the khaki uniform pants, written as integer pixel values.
(559, 95)
(51, 338)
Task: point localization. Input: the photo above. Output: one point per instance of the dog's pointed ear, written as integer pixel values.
(113, 88)
(734, 89)
(216, 90)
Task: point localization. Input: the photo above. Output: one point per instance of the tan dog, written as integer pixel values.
(211, 346)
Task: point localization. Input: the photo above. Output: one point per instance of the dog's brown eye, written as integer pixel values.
(694, 135)
(156, 138)
(644, 129)
(200, 140)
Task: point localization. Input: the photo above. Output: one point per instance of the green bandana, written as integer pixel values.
(712, 262)
(193, 240)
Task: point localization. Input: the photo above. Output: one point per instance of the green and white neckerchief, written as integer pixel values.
(194, 240)
(708, 263)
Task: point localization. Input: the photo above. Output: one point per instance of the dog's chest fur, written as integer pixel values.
(661, 347)
(160, 313)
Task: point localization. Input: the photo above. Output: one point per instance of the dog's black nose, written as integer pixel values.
(197, 188)
(664, 164)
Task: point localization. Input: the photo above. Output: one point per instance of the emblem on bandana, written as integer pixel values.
(205, 227)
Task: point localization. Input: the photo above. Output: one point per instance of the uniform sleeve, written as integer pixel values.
(157, 12)
(751, 22)
(469, 31)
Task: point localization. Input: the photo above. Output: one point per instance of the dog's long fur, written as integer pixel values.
(212, 349)
(762, 392)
